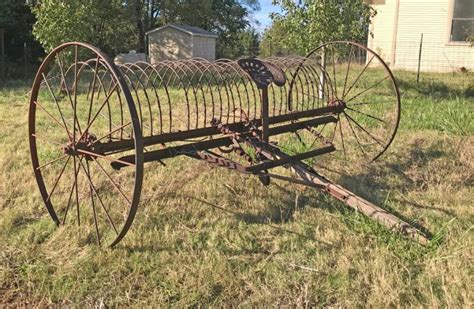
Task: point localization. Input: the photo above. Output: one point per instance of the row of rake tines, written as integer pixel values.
(173, 96)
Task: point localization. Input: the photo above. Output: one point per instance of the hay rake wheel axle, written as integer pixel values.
(93, 124)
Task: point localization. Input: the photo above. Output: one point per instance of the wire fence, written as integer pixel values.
(426, 56)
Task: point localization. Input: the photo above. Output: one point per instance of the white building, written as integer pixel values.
(174, 42)
(445, 24)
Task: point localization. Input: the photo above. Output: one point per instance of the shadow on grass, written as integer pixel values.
(372, 184)
(259, 219)
(375, 182)
(435, 90)
(16, 84)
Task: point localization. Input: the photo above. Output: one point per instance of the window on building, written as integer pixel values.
(462, 25)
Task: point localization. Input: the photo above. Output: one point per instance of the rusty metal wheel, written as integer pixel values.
(355, 78)
(80, 101)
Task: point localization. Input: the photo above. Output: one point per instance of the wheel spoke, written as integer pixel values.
(76, 173)
(57, 105)
(334, 134)
(342, 136)
(63, 80)
(92, 203)
(46, 139)
(75, 94)
(363, 129)
(112, 181)
(367, 115)
(98, 197)
(334, 71)
(103, 157)
(49, 114)
(100, 109)
(357, 79)
(355, 135)
(51, 162)
(347, 72)
(367, 89)
(76, 177)
(376, 102)
(57, 180)
(111, 132)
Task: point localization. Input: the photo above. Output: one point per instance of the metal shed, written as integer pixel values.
(173, 42)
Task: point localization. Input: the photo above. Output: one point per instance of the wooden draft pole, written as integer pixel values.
(383, 217)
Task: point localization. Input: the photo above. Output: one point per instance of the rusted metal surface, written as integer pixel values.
(93, 124)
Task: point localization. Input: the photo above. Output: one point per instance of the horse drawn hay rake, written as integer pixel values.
(93, 124)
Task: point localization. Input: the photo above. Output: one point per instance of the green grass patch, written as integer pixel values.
(209, 237)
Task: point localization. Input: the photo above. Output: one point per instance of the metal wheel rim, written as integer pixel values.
(389, 74)
(137, 136)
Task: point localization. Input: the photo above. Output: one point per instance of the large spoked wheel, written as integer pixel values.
(357, 80)
(79, 102)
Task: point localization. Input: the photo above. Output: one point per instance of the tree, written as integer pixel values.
(17, 20)
(227, 18)
(243, 44)
(103, 23)
(272, 41)
(309, 23)
(120, 25)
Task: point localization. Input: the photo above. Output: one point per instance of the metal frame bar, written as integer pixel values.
(174, 151)
(123, 145)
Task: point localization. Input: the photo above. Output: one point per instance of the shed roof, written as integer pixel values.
(187, 29)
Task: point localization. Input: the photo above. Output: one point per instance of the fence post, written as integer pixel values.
(419, 59)
(322, 78)
(2, 55)
(25, 59)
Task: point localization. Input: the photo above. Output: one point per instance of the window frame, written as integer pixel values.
(450, 27)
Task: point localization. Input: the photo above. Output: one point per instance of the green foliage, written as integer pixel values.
(309, 23)
(227, 18)
(117, 26)
(17, 21)
(244, 44)
(470, 39)
(102, 23)
(272, 41)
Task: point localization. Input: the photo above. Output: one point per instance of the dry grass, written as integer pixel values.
(205, 236)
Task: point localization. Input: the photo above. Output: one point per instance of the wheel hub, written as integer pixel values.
(86, 143)
(337, 103)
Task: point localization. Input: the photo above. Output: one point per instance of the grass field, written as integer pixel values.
(207, 237)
